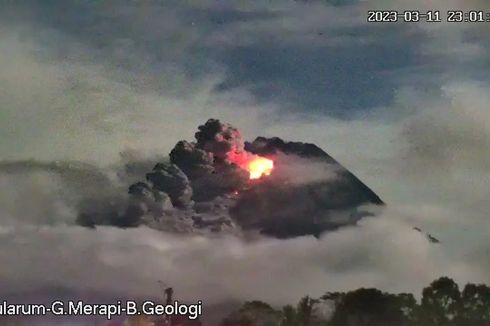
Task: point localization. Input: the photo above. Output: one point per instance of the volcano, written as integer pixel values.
(327, 199)
(221, 184)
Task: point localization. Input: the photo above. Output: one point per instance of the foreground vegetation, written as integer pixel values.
(442, 304)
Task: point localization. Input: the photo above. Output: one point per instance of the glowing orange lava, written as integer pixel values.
(260, 166)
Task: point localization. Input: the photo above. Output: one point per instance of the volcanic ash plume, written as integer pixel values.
(219, 183)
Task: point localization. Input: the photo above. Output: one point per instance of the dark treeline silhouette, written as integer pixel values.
(442, 304)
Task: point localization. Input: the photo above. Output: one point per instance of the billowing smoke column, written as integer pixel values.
(222, 140)
(217, 162)
(219, 183)
(219, 147)
(193, 190)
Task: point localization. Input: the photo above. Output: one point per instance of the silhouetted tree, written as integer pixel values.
(289, 316)
(371, 307)
(305, 312)
(440, 303)
(254, 313)
(474, 306)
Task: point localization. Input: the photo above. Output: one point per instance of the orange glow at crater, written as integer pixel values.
(257, 166)
(260, 166)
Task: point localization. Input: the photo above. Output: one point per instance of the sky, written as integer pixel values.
(88, 85)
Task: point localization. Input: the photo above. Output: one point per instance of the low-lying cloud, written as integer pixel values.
(383, 252)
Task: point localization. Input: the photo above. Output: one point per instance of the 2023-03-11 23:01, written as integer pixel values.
(413, 16)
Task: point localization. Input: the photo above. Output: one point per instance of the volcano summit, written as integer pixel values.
(219, 183)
